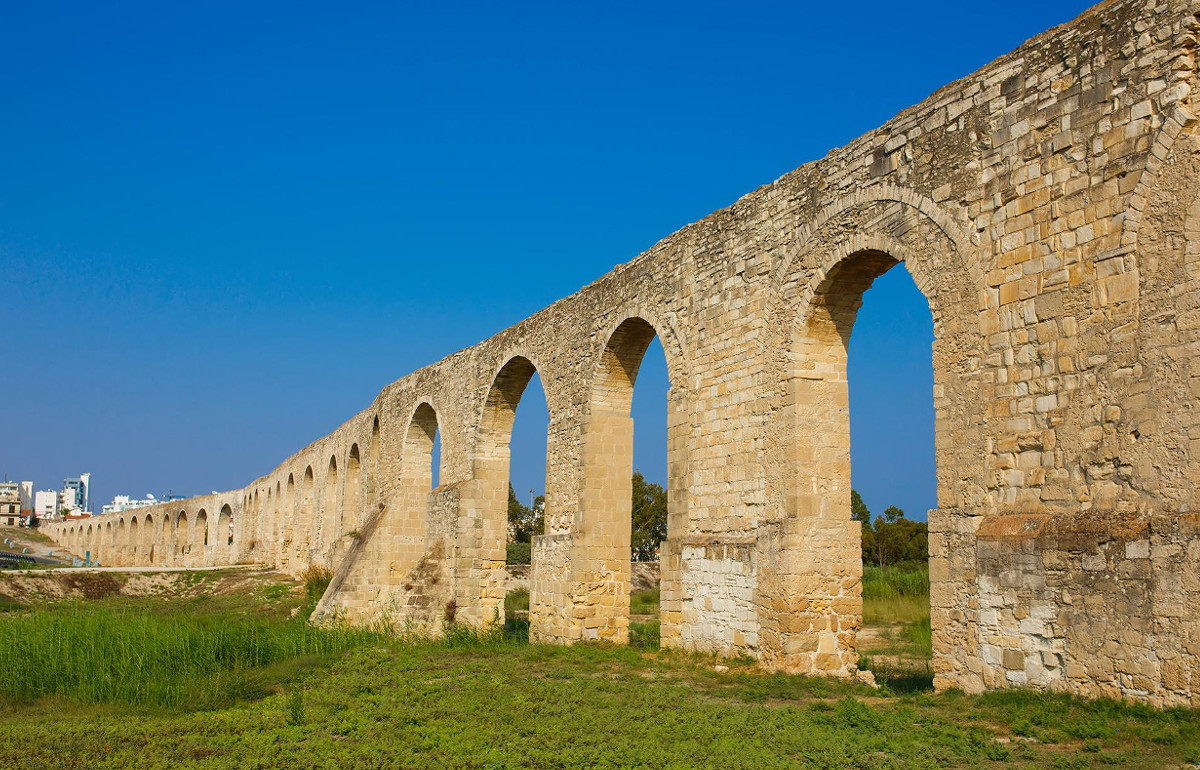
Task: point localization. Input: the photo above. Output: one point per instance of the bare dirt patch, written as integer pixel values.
(35, 587)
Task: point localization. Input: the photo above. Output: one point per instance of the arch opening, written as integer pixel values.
(616, 545)
(511, 461)
(327, 527)
(829, 527)
(181, 538)
(148, 538)
(199, 548)
(353, 514)
(304, 519)
(223, 536)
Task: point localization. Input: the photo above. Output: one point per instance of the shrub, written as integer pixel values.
(519, 553)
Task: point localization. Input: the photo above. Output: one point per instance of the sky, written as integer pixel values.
(224, 227)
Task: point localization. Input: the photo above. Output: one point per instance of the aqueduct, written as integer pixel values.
(1048, 207)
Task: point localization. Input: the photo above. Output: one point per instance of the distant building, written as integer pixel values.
(124, 503)
(75, 493)
(26, 497)
(45, 504)
(10, 503)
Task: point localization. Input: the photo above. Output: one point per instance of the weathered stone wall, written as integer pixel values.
(1047, 206)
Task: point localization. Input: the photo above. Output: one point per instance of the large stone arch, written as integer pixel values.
(600, 547)
(483, 584)
(809, 605)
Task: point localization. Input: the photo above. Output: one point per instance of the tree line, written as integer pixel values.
(890, 539)
(887, 540)
(649, 513)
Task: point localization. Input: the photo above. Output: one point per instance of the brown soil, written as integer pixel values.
(39, 586)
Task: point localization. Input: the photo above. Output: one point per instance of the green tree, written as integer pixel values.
(649, 518)
(525, 522)
(859, 512)
(898, 539)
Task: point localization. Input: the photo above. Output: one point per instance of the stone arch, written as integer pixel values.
(134, 542)
(148, 549)
(1178, 121)
(416, 483)
(223, 537)
(374, 460)
(107, 544)
(662, 326)
(273, 503)
(120, 550)
(491, 477)
(182, 546)
(199, 542)
(287, 522)
(601, 552)
(304, 518)
(252, 523)
(962, 243)
(811, 556)
(352, 494)
(329, 523)
(168, 540)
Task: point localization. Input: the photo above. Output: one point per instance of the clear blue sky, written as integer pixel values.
(224, 227)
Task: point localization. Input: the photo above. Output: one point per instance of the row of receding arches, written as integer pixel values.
(173, 539)
(317, 510)
(407, 504)
(313, 515)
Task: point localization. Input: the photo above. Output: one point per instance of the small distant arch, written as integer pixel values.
(148, 538)
(352, 493)
(305, 518)
(329, 523)
(223, 536)
(181, 535)
(200, 536)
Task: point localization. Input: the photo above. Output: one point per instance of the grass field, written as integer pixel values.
(310, 698)
(895, 642)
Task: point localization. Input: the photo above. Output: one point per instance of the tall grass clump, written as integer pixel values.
(895, 594)
(890, 582)
(99, 654)
(316, 579)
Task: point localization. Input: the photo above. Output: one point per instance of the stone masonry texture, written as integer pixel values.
(1047, 206)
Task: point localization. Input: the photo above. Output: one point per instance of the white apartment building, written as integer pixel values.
(124, 503)
(45, 504)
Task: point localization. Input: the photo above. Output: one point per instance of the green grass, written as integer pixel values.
(123, 650)
(644, 602)
(32, 535)
(896, 643)
(516, 614)
(306, 698)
